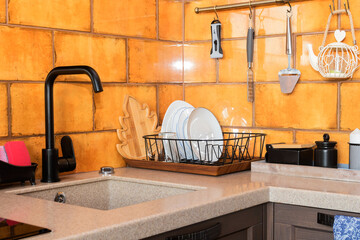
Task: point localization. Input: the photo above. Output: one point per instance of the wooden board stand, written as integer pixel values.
(192, 168)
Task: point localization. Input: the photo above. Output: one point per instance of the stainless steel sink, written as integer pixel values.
(109, 194)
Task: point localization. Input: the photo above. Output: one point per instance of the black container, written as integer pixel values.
(326, 153)
(298, 156)
(12, 173)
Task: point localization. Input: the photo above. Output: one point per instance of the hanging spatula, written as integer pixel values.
(250, 55)
(290, 76)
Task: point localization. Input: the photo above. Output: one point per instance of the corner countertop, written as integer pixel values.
(215, 196)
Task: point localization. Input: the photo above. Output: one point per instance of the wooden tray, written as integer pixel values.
(192, 168)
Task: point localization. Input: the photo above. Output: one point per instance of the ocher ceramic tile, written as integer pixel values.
(129, 17)
(197, 26)
(67, 14)
(233, 66)
(198, 66)
(269, 59)
(27, 109)
(168, 94)
(72, 108)
(106, 55)
(2, 11)
(308, 16)
(26, 54)
(228, 102)
(302, 54)
(95, 150)
(109, 104)
(354, 6)
(3, 110)
(310, 106)
(342, 140)
(154, 61)
(350, 114)
(170, 20)
(34, 145)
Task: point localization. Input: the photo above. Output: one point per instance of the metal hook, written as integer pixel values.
(331, 9)
(346, 10)
(217, 17)
(250, 14)
(289, 10)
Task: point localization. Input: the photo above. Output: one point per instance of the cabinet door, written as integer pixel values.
(247, 222)
(301, 223)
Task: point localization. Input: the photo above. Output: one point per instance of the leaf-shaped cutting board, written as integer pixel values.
(138, 121)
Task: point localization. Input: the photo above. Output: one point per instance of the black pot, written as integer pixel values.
(326, 153)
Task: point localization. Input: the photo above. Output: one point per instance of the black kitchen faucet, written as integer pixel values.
(51, 163)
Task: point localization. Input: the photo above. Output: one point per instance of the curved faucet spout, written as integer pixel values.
(72, 70)
(50, 154)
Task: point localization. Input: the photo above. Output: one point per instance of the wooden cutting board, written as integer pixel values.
(293, 145)
(138, 120)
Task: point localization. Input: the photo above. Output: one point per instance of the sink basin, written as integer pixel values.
(110, 193)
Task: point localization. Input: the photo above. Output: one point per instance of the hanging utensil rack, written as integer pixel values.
(244, 5)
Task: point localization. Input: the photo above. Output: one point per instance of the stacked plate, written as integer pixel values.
(197, 130)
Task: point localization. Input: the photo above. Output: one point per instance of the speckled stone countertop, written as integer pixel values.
(209, 197)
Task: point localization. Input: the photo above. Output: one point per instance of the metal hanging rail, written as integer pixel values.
(246, 5)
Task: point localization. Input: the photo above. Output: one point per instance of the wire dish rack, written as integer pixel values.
(233, 153)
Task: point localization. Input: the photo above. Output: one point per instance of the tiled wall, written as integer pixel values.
(316, 106)
(158, 51)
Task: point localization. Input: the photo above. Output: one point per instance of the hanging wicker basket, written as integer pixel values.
(336, 60)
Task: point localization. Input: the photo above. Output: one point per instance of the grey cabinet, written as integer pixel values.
(271, 221)
(301, 223)
(245, 224)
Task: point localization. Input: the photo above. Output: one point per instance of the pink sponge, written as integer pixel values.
(3, 156)
(17, 153)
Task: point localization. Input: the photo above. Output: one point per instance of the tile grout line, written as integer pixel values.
(173, 83)
(157, 19)
(9, 112)
(339, 16)
(338, 106)
(217, 70)
(91, 16)
(288, 129)
(58, 134)
(183, 49)
(294, 136)
(157, 104)
(127, 59)
(152, 39)
(53, 47)
(6, 11)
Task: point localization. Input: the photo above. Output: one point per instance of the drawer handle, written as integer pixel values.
(325, 219)
(210, 233)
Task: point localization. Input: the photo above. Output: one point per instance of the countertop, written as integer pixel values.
(214, 196)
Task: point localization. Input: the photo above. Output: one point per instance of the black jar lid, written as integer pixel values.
(326, 143)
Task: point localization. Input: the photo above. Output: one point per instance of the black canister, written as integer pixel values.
(326, 153)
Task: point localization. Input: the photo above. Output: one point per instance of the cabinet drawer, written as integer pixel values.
(303, 217)
(230, 223)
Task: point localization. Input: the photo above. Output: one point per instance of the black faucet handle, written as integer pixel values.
(67, 162)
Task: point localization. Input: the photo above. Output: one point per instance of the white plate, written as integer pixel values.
(203, 125)
(172, 109)
(169, 118)
(180, 127)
